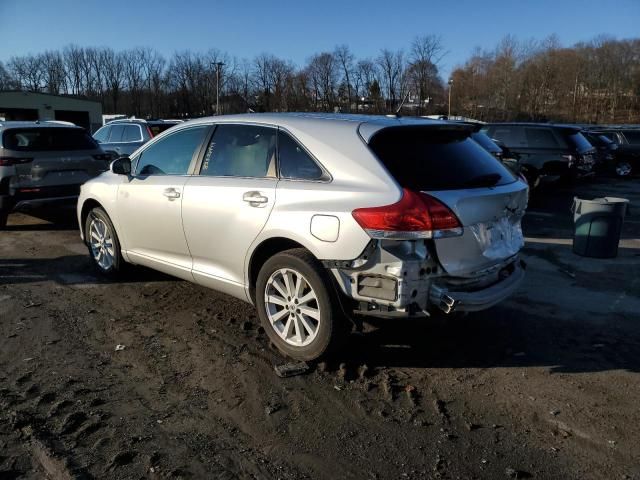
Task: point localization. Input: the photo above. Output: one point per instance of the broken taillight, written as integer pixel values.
(414, 216)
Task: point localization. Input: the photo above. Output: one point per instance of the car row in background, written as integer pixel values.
(624, 150)
(45, 162)
(123, 137)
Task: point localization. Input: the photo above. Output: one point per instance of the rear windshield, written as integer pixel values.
(157, 128)
(44, 139)
(577, 139)
(633, 136)
(422, 158)
(485, 142)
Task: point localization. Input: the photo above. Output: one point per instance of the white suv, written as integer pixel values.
(313, 218)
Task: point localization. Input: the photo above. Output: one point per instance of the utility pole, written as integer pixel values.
(450, 87)
(218, 65)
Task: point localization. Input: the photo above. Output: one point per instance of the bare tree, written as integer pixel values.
(392, 66)
(345, 58)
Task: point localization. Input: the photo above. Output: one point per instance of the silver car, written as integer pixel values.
(315, 218)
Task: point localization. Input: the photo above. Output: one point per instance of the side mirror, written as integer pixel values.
(121, 166)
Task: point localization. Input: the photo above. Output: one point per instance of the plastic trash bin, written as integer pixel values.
(597, 226)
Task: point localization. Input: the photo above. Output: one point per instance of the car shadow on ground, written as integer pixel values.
(48, 218)
(70, 270)
(499, 337)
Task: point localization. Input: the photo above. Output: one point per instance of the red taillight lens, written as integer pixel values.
(9, 161)
(150, 132)
(415, 215)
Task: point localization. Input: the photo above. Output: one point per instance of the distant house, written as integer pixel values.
(17, 105)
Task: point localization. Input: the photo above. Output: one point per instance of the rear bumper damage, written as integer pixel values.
(404, 278)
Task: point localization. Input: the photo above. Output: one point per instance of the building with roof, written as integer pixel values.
(18, 105)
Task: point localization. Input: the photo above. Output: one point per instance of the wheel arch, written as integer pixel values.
(88, 205)
(261, 253)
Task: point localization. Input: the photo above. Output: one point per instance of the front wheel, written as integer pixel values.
(103, 243)
(297, 305)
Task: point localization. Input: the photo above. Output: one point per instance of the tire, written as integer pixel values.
(108, 261)
(293, 333)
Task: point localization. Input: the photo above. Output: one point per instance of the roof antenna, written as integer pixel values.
(402, 105)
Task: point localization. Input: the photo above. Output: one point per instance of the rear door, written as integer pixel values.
(228, 202)
(486, 197)
(149, 205)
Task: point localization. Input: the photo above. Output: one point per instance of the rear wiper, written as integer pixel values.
(488, 180)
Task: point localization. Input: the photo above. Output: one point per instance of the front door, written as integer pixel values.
(227, 203)
(150, 204)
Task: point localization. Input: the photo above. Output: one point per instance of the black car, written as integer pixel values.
(547, 151)
(627, 139)
(501, 152)
(606, 149)
(123, 137)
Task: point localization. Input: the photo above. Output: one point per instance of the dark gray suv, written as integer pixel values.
(42, 162)
(547, 151)
(123, 137)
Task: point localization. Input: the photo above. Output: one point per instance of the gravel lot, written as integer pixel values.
(545, 385)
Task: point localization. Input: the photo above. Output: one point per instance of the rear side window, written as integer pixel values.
(541, 138)
(47, 139)
(116, 133)
(431, 159)
(241, 151)
(633, 136)
(131, 134)
(295, 162)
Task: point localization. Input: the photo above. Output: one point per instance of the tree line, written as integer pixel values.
(596, 81)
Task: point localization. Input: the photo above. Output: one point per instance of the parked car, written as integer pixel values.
(497, 149)
(124, 136)
(310, 216)
(607, 150)
(547, 152)
(627, 157)
(43, 162)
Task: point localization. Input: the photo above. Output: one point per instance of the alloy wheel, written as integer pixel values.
(623, 169)
(101, 244)
(292, 307)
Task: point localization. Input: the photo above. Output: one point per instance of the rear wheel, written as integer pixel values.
(297, 305)
(103, 243)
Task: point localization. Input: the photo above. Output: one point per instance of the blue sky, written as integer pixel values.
(296, 29)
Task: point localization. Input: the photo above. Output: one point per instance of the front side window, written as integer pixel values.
(241, 151)
(171, 155)
(131, 134)
(294, 161)
(633, 136)
(102, 135)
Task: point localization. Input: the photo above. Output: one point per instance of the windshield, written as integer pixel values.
(633, 136)
(578, 140)
(42, 139)
(423, 158)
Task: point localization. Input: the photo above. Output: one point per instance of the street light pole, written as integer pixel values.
(218, 65)
(450, 87)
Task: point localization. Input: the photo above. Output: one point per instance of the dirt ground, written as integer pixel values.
(545, 385)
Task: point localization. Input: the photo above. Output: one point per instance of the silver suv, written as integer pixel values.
(313, 218)
(43, 162)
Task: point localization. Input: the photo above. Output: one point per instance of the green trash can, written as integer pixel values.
(597, 226)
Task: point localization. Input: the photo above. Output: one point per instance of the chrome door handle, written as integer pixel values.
(171, 193)
(255, 199)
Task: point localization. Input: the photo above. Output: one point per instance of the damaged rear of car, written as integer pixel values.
(451, 240)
